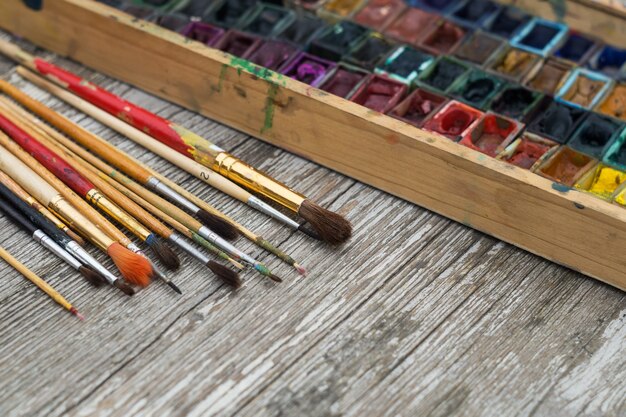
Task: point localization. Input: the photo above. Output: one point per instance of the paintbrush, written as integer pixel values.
(144, 175)
(328, 225)
(135, 268)
(43, 285)
(46, 241)
(83, 187)
(23, 195)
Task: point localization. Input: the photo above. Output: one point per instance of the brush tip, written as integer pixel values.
(331, 227)
(301, 270)
(306, 229)
(218, 225)
(77, 314)
(165, 254)
(124, 287)
(91, 276)
(263, 270)
(135, 268)
(227, 275)
(174, 287)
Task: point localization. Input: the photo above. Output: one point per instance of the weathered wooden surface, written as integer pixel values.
(415, 316)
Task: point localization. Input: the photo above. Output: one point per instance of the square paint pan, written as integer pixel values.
(442, 73)
(576, 48)
(337, 40)
(228, 13)
(614, 102)
(237, 43)
(378, 14)
(308, 5)
(602, 181)
(453, 120)
(203, 32)
(435, 6)
(620, 197)
(161, 5)
(540, 36)
(474, 13)
(566, 166)
(476, 88)
(608, 60)
(195, 9)
(549, 76)
(272, 54)
(490, 134)
(367, 53)
(595, 134)
(516, 102)
(443, 38)
(265, 19)
(513, 63)
(307, 68)
(343, 80)
(405, 64)
(379, 93)
(171, 21)
(140, 12)
(616, 154)
(410, 25)
(556, 121)
(335, 10)
(584, 88)
(507, 22)
(418, 107)
(527, 151)
(479, 47)
(301, 29)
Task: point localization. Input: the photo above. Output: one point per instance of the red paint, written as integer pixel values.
(379, 93)
(53, 162)
(142, 119)
(490, 134)
(453, 119)
(528, 152)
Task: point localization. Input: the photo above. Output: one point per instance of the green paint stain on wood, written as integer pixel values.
(220, 81)
(265, 74)
(269, 108)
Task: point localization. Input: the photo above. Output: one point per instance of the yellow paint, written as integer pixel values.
(342, 7)
(606, 181)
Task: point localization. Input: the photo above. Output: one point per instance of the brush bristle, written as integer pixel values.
(218, 225)
(227, 275)
(91, 276)
(124, 287)
(301, 270)
(331, 227)
(134, 268)
(164, 253)
(304, 228)
(76, 238)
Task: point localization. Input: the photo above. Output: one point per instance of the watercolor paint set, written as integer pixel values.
(454, 105)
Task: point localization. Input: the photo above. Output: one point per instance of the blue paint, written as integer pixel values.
(560, 187)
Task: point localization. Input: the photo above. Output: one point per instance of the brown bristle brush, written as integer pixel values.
(227, 275)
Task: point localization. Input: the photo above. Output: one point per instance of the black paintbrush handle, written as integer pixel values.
(34, 216)
(17, 217)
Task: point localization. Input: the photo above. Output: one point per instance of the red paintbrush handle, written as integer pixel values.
(136, 116)
(53, 162)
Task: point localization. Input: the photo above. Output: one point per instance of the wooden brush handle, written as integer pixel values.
(90, 141)
(52, 161)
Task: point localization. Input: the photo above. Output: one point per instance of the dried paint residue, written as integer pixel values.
(606, 181)
(527, 153)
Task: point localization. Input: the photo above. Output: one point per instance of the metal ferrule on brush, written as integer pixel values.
(80, 253)
(243, 174)
(95, 197)
(49, 243)
(206, 233)
(263, 207)
(187, 247)
(162, 189)
(68, 213)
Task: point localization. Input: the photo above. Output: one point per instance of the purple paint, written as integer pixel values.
(307, 68)
(343, 81)
(273, 54)
(379, 93)
(417, 107)
(203, 32)
(237, 43)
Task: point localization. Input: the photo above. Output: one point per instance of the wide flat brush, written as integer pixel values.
(43, 285)
(134, 267)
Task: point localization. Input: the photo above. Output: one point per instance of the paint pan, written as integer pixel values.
(273, 54)
(411, 25)
(140, 12)
(616, 153)
(265, 19)
(540, 36)
(405, 64)
(444, 38)
(516, 102)
(237, 43)
(490, 133)
(436, 6)
(614, 103)
(367, 53)
(203, 32)
(307, 68)
(171, 21)
(527, 151)
(576, 48)
(453, 120)
(308, 5)
(474, 13)
(507, 22)
(335, 10)
(556, 121)
(479, 47)
(608, 60)
(161, 5)
(379, 93)
(343, 80)
(584, 88)
(566, 166)
(337, 40)
(228, 13)
(418, 107)
(549, 76)
(602, 181)
(595, 134)
(301, 29)
(513, 63)
(441, 75)
(378, 14)
(476, 88)
(196, 9)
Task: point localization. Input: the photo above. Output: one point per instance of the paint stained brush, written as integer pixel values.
(46, 241)
(135, 268)
(329, 226)
(43, 285)
(131, 166)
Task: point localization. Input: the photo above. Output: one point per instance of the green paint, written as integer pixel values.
(220, 82)
(265, 74)
(269, 108)
(270, 248)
